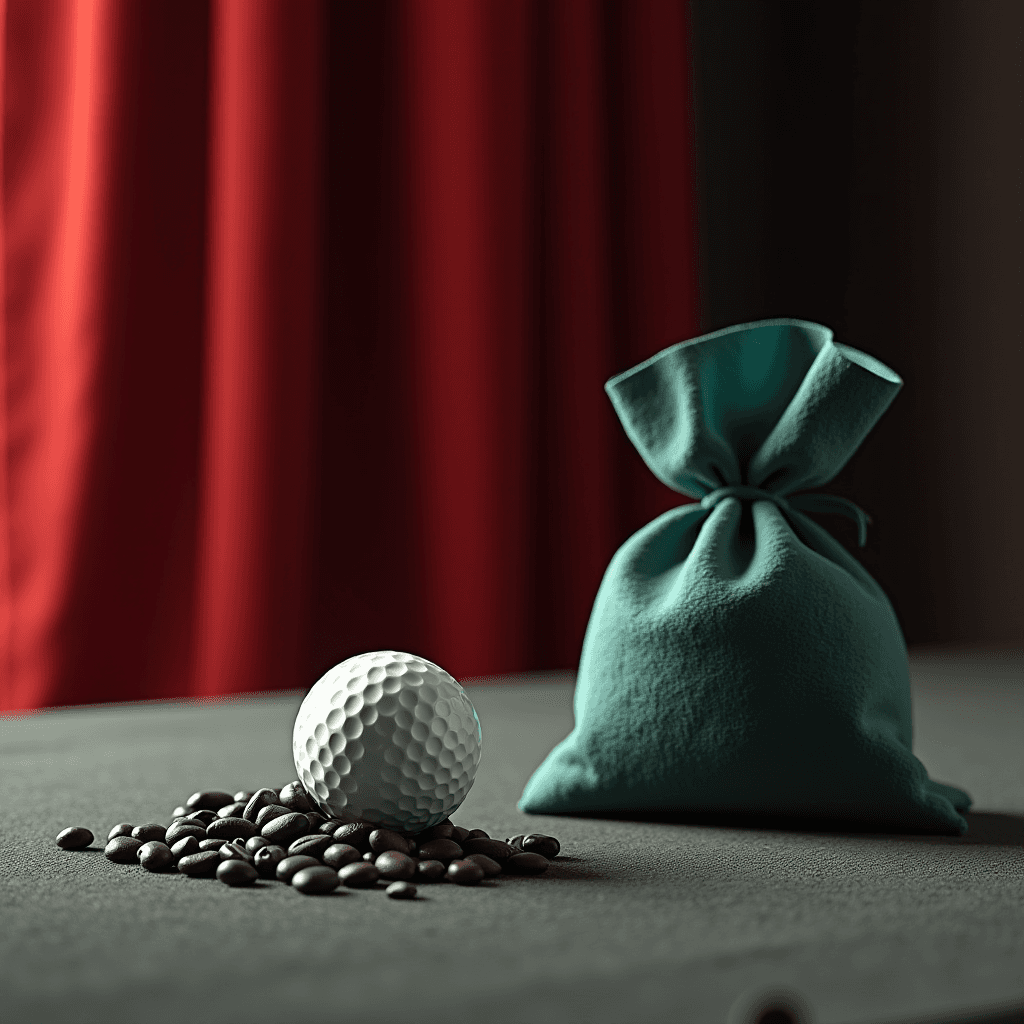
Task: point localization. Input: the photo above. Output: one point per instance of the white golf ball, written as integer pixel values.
(387, 738)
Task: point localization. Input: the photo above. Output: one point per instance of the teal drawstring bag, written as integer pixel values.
(738, 660)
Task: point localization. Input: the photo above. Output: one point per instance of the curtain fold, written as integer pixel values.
(262, 332)
(309, 308)
(468, 246)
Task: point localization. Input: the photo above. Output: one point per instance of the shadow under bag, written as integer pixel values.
(738, 660)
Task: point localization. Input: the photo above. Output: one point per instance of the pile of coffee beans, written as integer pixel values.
(275, 834)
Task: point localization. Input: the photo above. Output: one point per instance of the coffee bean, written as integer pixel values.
(525, 864)
(266, 859)
(149, 833)
(211, 844)
(546, 846)
(359, 876)
(155, 856)
(369, 856)
(185, 827)
(516, 842)
(186, 847)
(441, 849)
(442, 830)
(74, 838)
(243, 796)
(330, 826)
(294, 797)
(477, 833)
(121, 850)
(236, 872)
(179, 812)
(287, 867)
(401, 891)
(383, 839)
(286, 828)
(260, 799)
(316, 881)
(254, 843)
(269, 813)
(430, 870)
(203, 817)
(235, 851)
(315, 819)
(199, 865)
(493, 848)
(339, 854)
(124, 829)
(491, 867)
(231, 828)
(398, 867)
(459, 833)
(355, 834)
(311, 846)
(231, 810)
(208, 800)
(464, 872)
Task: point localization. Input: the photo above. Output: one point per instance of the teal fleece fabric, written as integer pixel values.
(737, 658)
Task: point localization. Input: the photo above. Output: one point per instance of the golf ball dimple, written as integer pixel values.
(387, 738)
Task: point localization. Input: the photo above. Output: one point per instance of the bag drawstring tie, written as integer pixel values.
(821, 503)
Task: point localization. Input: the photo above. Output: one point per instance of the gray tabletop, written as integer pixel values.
(657, 921)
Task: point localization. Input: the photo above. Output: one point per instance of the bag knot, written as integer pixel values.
(830, 504)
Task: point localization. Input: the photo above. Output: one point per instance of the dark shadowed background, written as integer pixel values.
(859, 164)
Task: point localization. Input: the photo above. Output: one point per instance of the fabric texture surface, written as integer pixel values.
(737, 658)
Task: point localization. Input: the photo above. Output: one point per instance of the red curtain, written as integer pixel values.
(309, 308)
